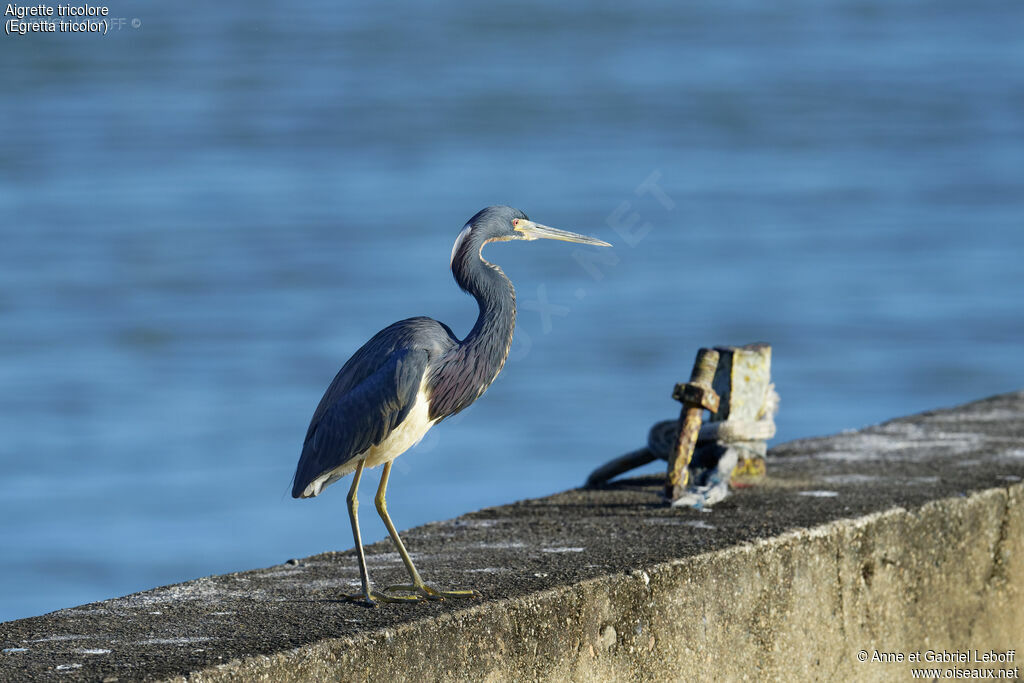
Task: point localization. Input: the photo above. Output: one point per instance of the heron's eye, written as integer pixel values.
(515, 222)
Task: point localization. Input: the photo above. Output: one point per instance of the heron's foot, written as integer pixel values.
(424, 592)
(373, 597)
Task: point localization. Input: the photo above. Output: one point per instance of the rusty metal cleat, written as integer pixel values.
(729, 447)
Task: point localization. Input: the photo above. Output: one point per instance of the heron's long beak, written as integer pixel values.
(535, 231)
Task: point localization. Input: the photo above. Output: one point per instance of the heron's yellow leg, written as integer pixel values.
(367, 596)
(417, 586)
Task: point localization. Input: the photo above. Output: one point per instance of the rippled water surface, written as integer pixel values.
(203, 217)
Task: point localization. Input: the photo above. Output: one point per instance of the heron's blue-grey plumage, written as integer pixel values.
(374, 391)
(370, 396)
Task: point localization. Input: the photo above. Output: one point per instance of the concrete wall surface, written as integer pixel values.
(858, 553)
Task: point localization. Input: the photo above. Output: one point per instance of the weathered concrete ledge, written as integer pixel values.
(904, 537)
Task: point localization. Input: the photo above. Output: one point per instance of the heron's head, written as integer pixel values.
(503, 223)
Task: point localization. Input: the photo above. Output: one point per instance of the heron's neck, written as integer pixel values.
(465, 372)
(491, 336)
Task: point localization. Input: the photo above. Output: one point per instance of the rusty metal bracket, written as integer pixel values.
(696, 397)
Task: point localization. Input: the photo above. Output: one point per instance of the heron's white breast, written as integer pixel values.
(403, 437)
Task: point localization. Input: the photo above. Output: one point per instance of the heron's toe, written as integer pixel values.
(419, 592)
(455, 593)
(431, 593)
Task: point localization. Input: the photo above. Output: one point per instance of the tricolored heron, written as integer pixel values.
(410, 376)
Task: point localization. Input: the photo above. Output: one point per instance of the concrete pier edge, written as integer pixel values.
(906, 537)
(808, 650)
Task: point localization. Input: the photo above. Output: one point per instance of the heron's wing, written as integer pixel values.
(414, 333)
(346, 423)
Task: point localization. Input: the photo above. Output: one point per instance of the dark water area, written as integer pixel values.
(204, 216)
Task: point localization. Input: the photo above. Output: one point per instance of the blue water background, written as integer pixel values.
(203, 217)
